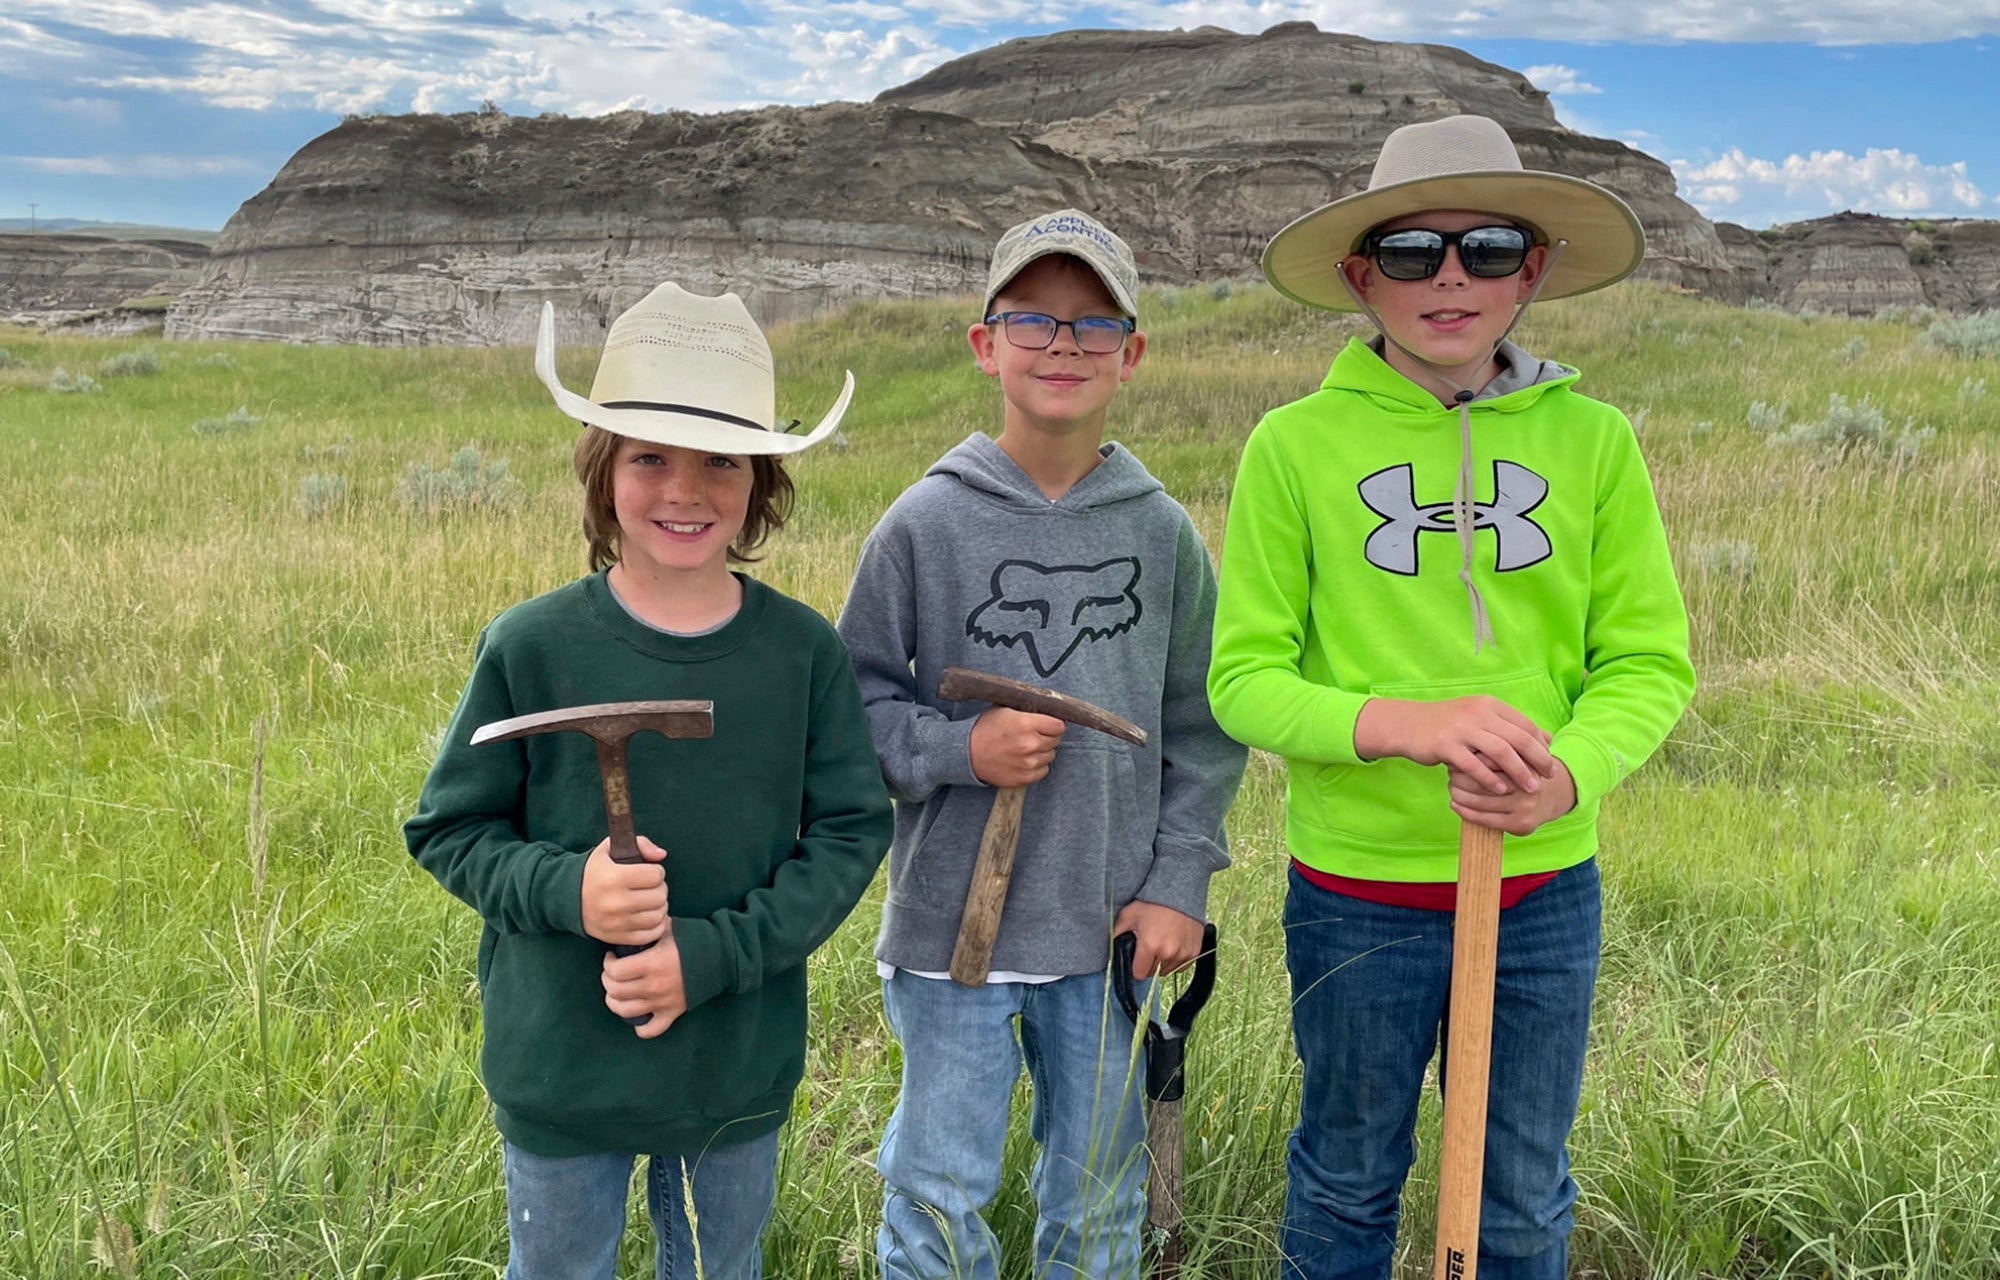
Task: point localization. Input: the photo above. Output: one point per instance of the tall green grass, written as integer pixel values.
(238, 1027)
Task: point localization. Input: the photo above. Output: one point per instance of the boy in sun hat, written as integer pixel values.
(1414, 682)
(1053, 558)
(776, 822)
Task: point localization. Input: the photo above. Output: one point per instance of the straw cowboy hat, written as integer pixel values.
(683, 369)
(1460, 162)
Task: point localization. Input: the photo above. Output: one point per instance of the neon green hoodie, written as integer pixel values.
(1332, 592)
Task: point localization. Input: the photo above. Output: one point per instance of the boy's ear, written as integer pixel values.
(1135, 350)
(1359, 272)
(981, 338)
(1531, 271)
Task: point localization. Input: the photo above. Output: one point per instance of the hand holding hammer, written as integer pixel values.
(972, 958)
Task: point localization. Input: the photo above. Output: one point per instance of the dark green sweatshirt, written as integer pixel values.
(773, 829)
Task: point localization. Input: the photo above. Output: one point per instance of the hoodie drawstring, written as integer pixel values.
(1463, 515)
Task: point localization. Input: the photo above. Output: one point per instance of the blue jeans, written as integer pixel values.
(1370, 989)
(941, 1154)
(566, 1213)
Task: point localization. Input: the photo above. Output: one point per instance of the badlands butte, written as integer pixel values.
(1195, 145)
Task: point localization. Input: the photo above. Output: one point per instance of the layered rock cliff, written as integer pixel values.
(1859, 264)
(1195, 145)
(48, 279)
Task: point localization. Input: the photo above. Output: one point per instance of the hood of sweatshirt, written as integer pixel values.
(983, 466)
(1361, 367)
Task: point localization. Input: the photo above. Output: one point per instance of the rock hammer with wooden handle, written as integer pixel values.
(1475, 946)
(972, 958)
(611, 726)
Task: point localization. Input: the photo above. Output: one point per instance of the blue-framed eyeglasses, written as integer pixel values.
(1033, 331)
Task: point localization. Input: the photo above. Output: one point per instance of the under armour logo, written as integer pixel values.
(1050, 610)
(1392, 494)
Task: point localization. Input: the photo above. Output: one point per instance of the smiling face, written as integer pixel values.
(678, 509)
(1454, 318)
(1062, 389)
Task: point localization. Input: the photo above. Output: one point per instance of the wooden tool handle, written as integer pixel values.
(972, 958)
(1469, 1051)
(1164, 1140)
(624, 839)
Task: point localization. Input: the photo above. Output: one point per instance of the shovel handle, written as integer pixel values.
(1468, 1051)
(972, 957)
(1165, 1139)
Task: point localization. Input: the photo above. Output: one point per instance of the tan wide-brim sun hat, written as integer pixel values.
(688, 370)
(1461, 163)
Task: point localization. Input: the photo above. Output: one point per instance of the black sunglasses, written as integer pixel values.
(1033, 331)
(1417, 253)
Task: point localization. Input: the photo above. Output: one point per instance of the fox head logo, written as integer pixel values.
(1051, 610)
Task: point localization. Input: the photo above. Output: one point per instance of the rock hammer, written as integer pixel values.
(972, 958)
(611, 726)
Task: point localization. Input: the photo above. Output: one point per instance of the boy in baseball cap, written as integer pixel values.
(1053, 558)
(1369, 654)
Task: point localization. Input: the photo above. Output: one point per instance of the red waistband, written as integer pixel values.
(1436, 896)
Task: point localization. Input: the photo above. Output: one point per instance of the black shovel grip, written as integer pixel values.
(1166, 1046)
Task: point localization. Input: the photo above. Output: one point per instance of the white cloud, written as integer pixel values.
(91, 113)
(583, 56)
(1745, 188)
(146, 166)
(1556, 79)
(854, 64)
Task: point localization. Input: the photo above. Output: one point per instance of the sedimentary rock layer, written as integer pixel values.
(1196, 146)
(51, 278)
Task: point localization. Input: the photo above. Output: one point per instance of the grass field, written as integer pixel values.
(238, 1025)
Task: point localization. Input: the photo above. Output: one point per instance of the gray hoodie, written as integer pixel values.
(1107, 595)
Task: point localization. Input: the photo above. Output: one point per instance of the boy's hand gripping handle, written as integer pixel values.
(1469, 1051)
(1166, 1080)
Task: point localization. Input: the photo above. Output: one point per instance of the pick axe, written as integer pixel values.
(611, 726)
(1166, 1056)
(972, 957)
(1468, 1051)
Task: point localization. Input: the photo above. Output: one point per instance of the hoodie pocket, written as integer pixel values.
(1086, 833)
(1530, 692)
(1398, 803)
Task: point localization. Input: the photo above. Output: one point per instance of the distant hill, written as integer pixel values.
(1194, 145)
(58, 277)
(109, 230)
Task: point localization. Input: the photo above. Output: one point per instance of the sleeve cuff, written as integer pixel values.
(1593, 769)
(1179, 877)
(705, 969)
(947, 753)
(561, 882)
(1337, 714)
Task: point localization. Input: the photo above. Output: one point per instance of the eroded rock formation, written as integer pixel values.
(1195, 145)
(56, 279)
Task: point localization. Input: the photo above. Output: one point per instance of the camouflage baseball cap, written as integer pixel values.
(1077, 234)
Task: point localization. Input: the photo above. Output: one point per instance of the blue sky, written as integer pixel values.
(1768, 113)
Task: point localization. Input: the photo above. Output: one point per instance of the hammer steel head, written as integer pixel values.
(962, 684)
(608, 721)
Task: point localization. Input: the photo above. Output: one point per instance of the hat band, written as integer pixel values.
(690, 409)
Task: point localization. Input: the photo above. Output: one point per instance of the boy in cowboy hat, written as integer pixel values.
(776, 822)
(1368, 655)
(1050, 557)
